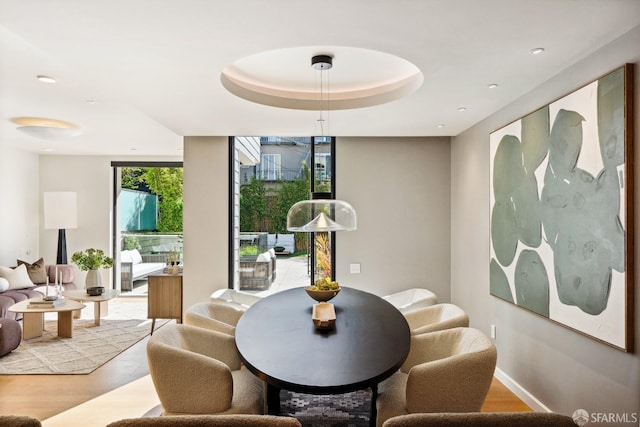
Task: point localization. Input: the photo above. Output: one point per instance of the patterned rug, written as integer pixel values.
(90, 347)
(339, 410)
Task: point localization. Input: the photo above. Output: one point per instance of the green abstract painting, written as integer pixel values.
(561, 194)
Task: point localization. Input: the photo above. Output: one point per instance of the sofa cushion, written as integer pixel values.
(125, 256)
(36, 271)
(4, 284)
(66, 273)
(18, 277)
(136, 258)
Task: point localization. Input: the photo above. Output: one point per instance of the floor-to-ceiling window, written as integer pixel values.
(269, 175)
(147, 221)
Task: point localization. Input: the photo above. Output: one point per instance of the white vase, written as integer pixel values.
(93, 279)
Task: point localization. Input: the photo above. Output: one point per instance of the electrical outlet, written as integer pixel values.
(493, 331)
(354, 268)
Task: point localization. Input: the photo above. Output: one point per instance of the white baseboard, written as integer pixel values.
(529, 399)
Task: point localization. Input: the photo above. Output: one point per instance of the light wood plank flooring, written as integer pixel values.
(44, 396)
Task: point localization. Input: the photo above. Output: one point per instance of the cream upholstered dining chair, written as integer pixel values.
(445, 371)
(19, 421)
(436, 318)
(412, 299)
(209, 421)
(214, 315)
(198, 371)
(235, 298)
(482, 419)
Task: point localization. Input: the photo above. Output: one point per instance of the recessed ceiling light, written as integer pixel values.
(492, 86)
(46, 79)
(440, 125)
(90, 101)
(133, 149)
(48, 150)
(462, 109)
(536, 50)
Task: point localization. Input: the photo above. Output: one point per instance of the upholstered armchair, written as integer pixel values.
(198, 371)
(216, 316)
(19, 421)
(209, 421)
(482, 419)
(436, 318)
(412, 299)
(445, 371)
(235, 298)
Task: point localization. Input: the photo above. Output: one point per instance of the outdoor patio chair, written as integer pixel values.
(235, 298)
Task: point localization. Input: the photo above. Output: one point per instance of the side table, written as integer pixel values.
(164, 299)
(100, 302)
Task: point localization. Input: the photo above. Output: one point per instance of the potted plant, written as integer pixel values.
(91, 260)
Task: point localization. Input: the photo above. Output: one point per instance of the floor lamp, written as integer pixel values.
(61, 212)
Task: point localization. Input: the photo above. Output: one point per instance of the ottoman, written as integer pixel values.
(10, 335)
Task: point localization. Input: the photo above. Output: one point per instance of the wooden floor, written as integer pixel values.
(43, 396)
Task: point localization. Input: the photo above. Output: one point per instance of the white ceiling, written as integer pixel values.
(153, 66)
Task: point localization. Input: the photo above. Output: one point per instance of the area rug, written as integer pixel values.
(338, 410)
(90, 347)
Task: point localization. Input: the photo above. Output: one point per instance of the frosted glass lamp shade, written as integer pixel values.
(321, 215)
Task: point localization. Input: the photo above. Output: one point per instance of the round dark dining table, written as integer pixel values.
(278, 341)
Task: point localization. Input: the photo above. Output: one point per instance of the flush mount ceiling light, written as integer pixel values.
(48, 129)
(46, 79)
(281, 78)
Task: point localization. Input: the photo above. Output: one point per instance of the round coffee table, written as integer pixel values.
(279, 343)
(100, 302)
(33, 318)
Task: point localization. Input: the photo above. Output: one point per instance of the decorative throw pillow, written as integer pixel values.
(136, 258)
(125, 256)
(4, 284)
(17, 277)
(36, 271)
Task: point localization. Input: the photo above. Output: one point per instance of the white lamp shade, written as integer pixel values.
(60, 210)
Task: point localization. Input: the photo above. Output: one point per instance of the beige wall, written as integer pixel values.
(206, 217)
(399, 188)
(564, 370)
(19, 201)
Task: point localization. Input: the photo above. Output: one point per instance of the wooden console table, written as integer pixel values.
(164, 299)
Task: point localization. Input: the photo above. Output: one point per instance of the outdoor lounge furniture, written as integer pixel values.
(412, 299)
(445, 371)
(436, 318)
(257, 272)
(198, 371)
(135, 266)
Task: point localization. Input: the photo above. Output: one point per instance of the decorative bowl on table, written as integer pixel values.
(95, 291)
(323, 290)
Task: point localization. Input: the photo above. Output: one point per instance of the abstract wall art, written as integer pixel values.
(561, 200)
